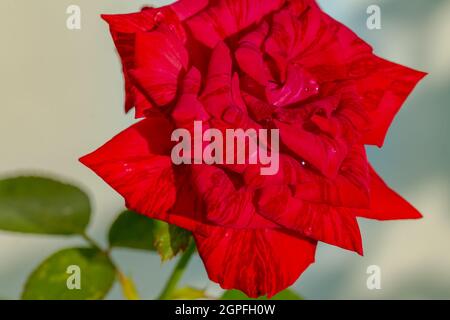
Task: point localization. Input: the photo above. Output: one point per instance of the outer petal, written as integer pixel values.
(349, 189)
(384, 90)
(333, 225)
(309, 204)
(187, 8)
(273, 260)
(227, 17)
(131, 22)
(123, 28)
(157, 71)
(386, 204)
(336, 53)
(135, 163)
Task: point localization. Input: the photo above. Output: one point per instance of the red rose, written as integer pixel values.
(251, 64)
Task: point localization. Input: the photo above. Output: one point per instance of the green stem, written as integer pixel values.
(129, 290)
(128, 287)
(92, 242)
(177, 273)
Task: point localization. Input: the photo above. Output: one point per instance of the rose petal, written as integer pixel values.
(227, 17)
(305, 35)
(188, 108)
(349, 189)
(222, 95)
(131, 22)
(225, 204)
(333, 225)
(123, 28)
(185, 9)
(383, 92)
(299, 86)
(324, 153)
(260, 110)
(290, 36)
(386, 204)
(257, 262)
(137, 165)
(157, 71)
(249, 55)
(330, 51)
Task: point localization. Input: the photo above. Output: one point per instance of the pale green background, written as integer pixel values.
(61, 96)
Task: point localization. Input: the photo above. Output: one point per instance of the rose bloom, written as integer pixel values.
(271, 64)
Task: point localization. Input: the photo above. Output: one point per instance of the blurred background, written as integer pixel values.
(61, 96)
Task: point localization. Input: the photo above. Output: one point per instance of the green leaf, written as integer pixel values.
(42, 206)
(135, 231)
(132, 230)
(287, 294)
(170, 240)
(53, 278)
(188, 293)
